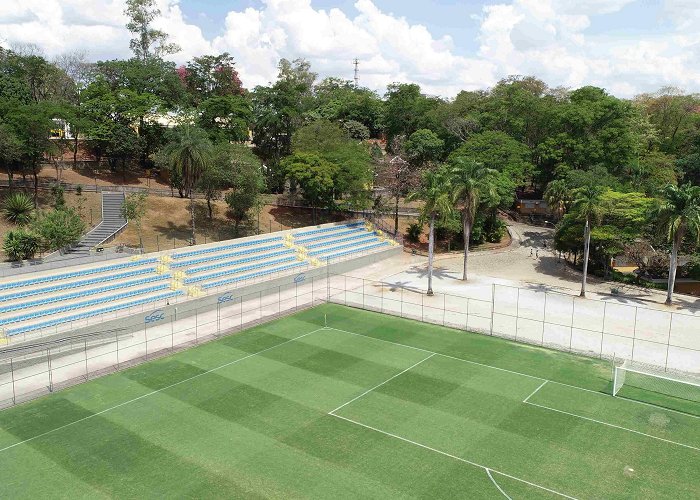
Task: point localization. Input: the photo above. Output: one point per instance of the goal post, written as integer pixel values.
(654, 385)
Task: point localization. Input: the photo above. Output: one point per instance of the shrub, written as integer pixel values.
(58, 229)
(20, 244)
(413, 232)
(18, 208)
(59, 201)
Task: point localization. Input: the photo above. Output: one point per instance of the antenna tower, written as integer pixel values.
(356, 62)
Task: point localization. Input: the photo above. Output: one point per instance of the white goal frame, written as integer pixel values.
(620, 370)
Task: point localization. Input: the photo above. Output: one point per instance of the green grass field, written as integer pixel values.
(372, 406)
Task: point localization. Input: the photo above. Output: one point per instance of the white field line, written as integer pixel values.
(614, 426)
(535, 391)
(488, 472)
(440, 354)
(660, 408)
(455, 457)
(379, 385)
(156, 391)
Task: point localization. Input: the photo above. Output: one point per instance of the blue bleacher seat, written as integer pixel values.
(220, 248)
(92, 313)
(77, 274)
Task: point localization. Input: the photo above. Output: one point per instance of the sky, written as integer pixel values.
(626, 46)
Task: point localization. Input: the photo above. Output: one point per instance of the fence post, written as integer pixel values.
(602, 333)
(12, 375)
(363, 293)
(444, 307)
(116, 339)
(401, 303)
(668, 341)
(48, 365)
(86, 363)
(493, 306)
(544, 317)
(196, 324)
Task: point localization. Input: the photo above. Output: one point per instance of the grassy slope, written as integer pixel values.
(260, 428)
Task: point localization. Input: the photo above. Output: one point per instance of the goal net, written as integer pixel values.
(655, 386)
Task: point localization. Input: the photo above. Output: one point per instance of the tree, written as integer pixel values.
(587, 205)
(188, 154)
(18, 208)
(434, 191)
(246, 184)
(405, 110)
(32, 126)
(278, 112)
(679, 217)
(423, 147)
(498, 151)
(211, 76)
(471, 186)
(20, 244)
(225, 118)
(58, 229)
(399, 177)
(147, 42)
(558, 196)
(10, 151)
(134, 209)
(353, 173)
(314, 175)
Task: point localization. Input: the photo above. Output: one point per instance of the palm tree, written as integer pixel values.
(558, 196)
(188, 155)
(587, 205)
(679, 215)
(469, 188)
(435, 192)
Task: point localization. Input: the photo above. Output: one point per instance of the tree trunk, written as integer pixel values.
(431, 249)
(194, 238)
(211, 213)
(672, 267)
(75, 150)
(586, 248)
(313, 214)
(467, 230)
(9, 178)
(36, 187)
(396, 216)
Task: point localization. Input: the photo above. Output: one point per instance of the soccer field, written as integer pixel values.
(335, 402)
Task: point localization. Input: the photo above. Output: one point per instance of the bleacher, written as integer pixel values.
(54, 301)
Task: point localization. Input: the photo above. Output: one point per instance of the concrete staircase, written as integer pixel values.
(112, 223)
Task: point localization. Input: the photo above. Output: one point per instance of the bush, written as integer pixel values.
(20, 244)
(18, 208)
(59, 201)
(58, 229)
(413, 232)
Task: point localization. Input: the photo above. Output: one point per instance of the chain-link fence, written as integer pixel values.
(31, 369)
(531, 315)
(598, 328)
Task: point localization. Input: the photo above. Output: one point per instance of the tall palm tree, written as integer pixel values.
(189, 154)
(587, 205)
(434, 191)
(679, 216)
(469, 188)
(558, 196)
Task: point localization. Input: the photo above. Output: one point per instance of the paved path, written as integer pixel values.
(514, 266)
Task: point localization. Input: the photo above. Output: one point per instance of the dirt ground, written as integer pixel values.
(91, 210)
(167, 223)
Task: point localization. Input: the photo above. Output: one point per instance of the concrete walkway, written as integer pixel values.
(515, 266)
